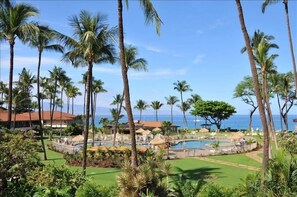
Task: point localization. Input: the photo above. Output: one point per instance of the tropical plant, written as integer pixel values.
(91, 44)
(43, 40)
(192, 100)
(91, 189)
(156, 105)
(118, 101)
(171, 100)
(72, 92)
(256, 85)
(14, 23)
(286, 4)
(97, 87)
(141, 105)
(150, 15)
(182, 86)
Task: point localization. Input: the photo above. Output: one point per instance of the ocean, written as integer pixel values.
(234, 122)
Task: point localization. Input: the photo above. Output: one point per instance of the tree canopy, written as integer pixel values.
(213, 111)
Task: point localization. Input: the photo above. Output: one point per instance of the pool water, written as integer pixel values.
(193, 144)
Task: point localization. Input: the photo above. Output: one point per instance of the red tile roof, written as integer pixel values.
(35, 117)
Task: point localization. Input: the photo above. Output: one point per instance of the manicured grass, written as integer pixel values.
(194, 169)
(237, 158)
(191, 168)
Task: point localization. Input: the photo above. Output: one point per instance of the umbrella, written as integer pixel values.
(146, 132)
(203, 130)
(141, 130)
(78, 138)
(157, 129)
(236, 136)
(157, 141)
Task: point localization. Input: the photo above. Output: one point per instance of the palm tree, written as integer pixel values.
(91, 43)
(286, 4)
(192, 100)
(57, 74)
(97, 87)
(184, 107)
(118, 101)
(3, 91)
(182, 86)
(84, 82)
(25, 83)
(156, 105)
(141, 105)
(257, 87)
(42, 40)
(72, 92)
(64, 82)
(150, 15)
(14, 24)
(171, 100)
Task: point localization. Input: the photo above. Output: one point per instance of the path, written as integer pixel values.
(229, 163)
(254, 155)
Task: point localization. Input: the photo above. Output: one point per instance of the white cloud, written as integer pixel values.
(166, 72)
(20, 62)
(153, 49)
(218, 23)
(101, 69)
(198, 59)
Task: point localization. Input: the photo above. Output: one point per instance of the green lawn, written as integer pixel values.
(191, 168)
(237, 158)
(195, 169)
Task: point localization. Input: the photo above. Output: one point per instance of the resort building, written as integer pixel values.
(30, 120)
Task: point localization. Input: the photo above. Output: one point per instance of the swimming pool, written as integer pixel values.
(194, 144)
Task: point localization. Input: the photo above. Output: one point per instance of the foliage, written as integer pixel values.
(91, 189)
(18, 158)
(289, 142)
(213, 190)
(73, 129)
(215, 144)
(185, 188)
(213, 111)
(55, 181)
(149, 178)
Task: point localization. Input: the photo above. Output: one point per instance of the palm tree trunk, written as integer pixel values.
(54, 102)
(291, 44)
(93, 102)
(140, 114)
(89, 78)
(10, 85)
(72, 110)
(117, 119)
(39, 107)
(134, 163)
(171, 112)
(61, 112)
(68, 101)
(257, 89)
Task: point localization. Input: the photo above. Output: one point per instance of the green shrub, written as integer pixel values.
(91, 189)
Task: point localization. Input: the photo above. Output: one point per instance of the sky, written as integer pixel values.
(200, 42)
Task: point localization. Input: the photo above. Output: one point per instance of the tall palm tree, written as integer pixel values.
(57, 74)
(156, 105)
(43, 40)
(257, 87)
(14, 24)
(97, 87)
(171, 100)
(64, 82)
(118, 101)
(3, 90)
(72, 92)
(182, 86)
(141, 105)
(90, 44)
(184, 107)
(192, 100)
(25, 83)
(286, 4)
(150, 15)
(84, 82)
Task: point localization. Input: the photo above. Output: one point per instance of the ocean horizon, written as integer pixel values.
(240, 122)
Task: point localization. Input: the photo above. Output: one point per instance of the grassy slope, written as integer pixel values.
(238, 158)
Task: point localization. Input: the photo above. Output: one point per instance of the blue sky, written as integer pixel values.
(200, 42)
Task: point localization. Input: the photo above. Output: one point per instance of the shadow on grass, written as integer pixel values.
(54, 159)
(195, 174)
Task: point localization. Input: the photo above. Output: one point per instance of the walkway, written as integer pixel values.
(229, 163)
(254, 155)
